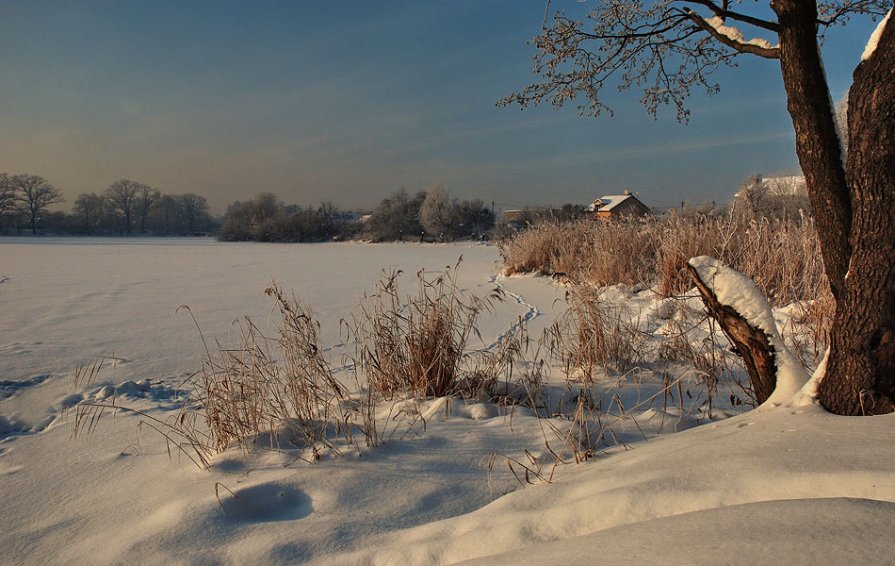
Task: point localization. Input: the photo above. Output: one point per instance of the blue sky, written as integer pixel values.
(350, 101)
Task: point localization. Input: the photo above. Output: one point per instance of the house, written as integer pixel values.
(618, 206)
(789, 186)
(773, 197)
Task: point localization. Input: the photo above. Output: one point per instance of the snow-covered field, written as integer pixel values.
(785, 483)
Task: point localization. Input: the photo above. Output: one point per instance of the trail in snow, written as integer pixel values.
(530, 314)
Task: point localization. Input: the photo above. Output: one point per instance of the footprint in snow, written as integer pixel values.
(266, 502)
(8, 387)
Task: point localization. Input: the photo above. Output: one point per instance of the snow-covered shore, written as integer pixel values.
(790, 483)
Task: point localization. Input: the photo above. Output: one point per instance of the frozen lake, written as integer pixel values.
(435, 493)
(67, 300)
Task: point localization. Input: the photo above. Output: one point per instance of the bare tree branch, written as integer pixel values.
(724, 13)
(740, 46)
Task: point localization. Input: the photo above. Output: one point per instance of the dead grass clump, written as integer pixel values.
(783, 258)
(591, 336)
(621, 252)
(546, 247)
(282, 387)
(419, 348)
(781, 255)
(681, 238)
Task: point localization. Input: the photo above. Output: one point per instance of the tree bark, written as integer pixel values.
(860, 375)
(751, 343)
(817, 144)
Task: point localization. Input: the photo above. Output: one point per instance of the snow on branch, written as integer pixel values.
(733, 37)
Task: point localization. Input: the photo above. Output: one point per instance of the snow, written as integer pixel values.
(875, 37)
(736, 35)
(745, 534)
(789, 483)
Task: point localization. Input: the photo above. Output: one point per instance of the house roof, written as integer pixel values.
(607, 203)
(792, 185)
(786, 186)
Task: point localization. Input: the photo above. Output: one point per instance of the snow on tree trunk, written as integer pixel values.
(746, 318)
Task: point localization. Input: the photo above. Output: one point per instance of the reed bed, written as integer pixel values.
(782, 256)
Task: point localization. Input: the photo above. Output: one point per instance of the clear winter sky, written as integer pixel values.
(351, 100)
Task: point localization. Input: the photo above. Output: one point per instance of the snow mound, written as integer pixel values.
(752, 533)
(792, 457)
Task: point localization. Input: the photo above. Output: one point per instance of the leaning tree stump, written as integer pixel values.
(750, 342)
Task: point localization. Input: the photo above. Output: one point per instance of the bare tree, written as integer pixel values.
(146, 197)
(7, 194)
(193, 208)
(438, 214)
(88, 207)
(35, 194)
(668, 47)
(122, 195)
(163, 214)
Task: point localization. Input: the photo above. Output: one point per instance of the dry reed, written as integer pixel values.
(418, 346)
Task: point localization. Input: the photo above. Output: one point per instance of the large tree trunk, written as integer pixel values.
(852, 211)
(817, 144)
(861, 372)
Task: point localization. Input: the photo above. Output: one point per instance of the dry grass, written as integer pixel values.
(418, 346)
(278, 390)
(584, 250)
(282, 388)
(782, 256)
(591, 336)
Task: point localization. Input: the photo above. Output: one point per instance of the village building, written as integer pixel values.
(625, 205)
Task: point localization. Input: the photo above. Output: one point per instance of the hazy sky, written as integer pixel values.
(351, 100)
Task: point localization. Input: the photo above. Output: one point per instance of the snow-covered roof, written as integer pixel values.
(788, 185)
(607, 203)
(785, 186)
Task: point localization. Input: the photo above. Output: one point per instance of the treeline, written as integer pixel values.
(431, 216)
(124, 207)
(267, 219)
(128, 207)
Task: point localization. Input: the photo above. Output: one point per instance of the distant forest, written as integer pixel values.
(128, 207)
(125, 207)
